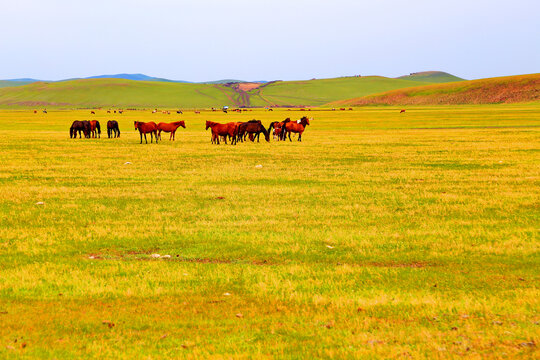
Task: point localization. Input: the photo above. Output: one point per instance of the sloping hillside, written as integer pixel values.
(106, 92)
(321, 91)
(431, 77)
(508, 89)
(114, 92)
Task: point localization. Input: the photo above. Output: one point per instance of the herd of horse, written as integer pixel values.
(238, 131)
(234, 131)
(92, 128)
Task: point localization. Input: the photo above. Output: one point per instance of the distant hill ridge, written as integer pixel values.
(431, 76)
(426, 76)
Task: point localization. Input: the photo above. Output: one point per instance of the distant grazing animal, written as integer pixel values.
(402, 111)
(154, 111)
(93, 112)
(254, 127)
(120, 111)
(35, 111)
(44, 111)
(342, 109)
(296, 127)
(145, 128)
(197, 112)
(108, 111)
(170, 128)
(112, 129)
(270, 109)
(218, 130)
(79, 126)
(179, 112)
(350, 108)
(95, 129)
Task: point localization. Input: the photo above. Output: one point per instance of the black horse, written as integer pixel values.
(79, 126)
(112, 129)
(254, 127)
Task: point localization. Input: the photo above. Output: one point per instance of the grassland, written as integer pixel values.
(507, 89)
(381, 235)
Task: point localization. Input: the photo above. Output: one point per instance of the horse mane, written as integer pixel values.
(254, 121)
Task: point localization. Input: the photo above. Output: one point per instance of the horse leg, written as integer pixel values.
(299, 136)
(155, 134)
(290, 136)
(145, 139)
(159, 133)
(140, 133)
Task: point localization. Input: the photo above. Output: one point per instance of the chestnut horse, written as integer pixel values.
(218, 130)
(295, 127)
(170, 128)
(145, 128)
(278, 129)
(94, 125)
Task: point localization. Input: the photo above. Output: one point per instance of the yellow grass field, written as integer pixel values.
(380, 235)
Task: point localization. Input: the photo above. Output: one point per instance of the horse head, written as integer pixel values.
(136, 123)
(183, 124)
(208, 124)
(304, 121)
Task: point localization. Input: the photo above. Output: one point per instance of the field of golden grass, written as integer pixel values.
(381, 235)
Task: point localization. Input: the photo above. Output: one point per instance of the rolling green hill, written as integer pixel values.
(507, 89)
(123, 93)
(431, 77)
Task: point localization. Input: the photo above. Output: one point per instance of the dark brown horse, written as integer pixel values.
(221, 130)
(295, 127)
(254, 127)
(113, 129)
(170, 128)
(145, 128)
(79, 126)
(95, 129)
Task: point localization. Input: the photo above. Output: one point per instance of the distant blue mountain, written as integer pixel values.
(137, 77)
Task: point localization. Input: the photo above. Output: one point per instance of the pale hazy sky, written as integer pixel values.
(267, 39)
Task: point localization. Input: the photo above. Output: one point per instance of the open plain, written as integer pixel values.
(380, 235)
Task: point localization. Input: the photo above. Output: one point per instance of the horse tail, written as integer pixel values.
(98, 127)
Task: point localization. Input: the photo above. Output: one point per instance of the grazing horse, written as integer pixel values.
(113, 129)
(170, 128)
(35, 111)
(295, 127)
(145, 128)
(94, 125)
(254, 127)
(79, 126)
(221, 130)
(402, 111)
(179, 112)
(93, 112)
(108, 111)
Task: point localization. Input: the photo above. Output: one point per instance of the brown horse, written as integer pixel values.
(79, 126)
(218, 130)
(112, 128)
(253, 128)
(95, 129)
(278, 128)
(170, 128)
(145, 128)
(295, 127)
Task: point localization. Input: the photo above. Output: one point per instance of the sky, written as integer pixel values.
(207, 40)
